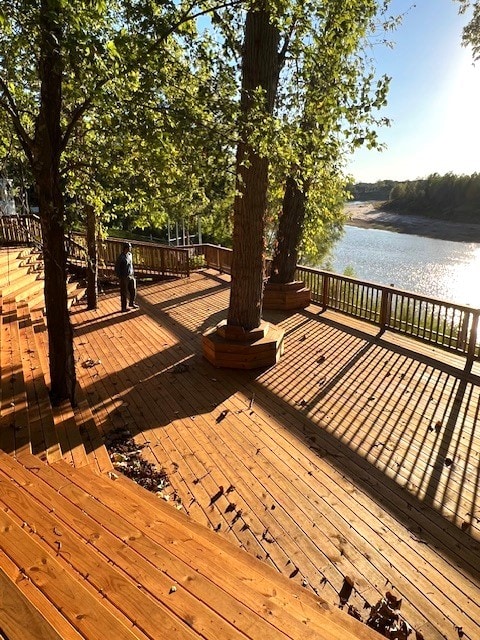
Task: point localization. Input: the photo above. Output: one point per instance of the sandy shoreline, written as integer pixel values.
(368, 215)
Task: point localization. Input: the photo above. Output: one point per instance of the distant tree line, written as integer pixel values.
(364, 191)
(447, 197)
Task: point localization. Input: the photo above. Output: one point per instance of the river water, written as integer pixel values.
(435, 268)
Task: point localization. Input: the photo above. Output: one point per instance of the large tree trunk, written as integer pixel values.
(260, 70)
(92, 265)
(289, 234)
(47, 148)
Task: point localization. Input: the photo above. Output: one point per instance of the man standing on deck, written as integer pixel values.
(124, 271)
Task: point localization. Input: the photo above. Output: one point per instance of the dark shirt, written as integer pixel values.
(124, 265)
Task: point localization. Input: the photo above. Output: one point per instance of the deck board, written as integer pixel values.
(340, 437)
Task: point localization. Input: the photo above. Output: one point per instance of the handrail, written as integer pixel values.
(215, 256)
(441, 323)
(150, 258)
(21, 230)
(437, 322)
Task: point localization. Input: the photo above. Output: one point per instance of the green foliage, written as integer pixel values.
(327, 105)
(150, 106)
(147, 109)
(471, 32)
(449, 197)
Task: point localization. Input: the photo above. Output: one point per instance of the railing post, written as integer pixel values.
(385, 307)
(162, 261)
(472, 341)
(325, 289)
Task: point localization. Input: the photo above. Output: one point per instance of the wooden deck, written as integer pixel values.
(357, 456)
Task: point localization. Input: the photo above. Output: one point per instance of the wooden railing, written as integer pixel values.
(214, 256)
(437, 322)
(149, 258)
(440, 323)
(21, 230)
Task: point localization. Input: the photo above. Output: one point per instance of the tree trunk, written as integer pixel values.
(260, 70)
(289, 234)
(92, 264)
(47, 149)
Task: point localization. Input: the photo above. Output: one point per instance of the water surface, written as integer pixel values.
(436, 268)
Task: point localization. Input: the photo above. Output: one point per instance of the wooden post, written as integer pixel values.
(325, 289)
(162, 261)
(472, 342)
(385, 306)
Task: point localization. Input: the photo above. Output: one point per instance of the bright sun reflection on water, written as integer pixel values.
(435, 268)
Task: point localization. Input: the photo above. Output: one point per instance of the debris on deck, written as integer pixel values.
(126, 457)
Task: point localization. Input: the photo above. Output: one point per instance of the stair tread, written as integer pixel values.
(261, 596)
(100, 566)
(77, 603)
(34, 616)
(163, 522)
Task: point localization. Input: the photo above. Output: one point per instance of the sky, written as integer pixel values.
(433, 101)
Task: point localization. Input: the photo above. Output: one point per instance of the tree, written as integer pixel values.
(58, 60)
(260, 73)
(329, 104)
(297, 125)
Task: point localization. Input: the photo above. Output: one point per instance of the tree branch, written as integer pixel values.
(77, 114)
(185, 17)
(9, 106)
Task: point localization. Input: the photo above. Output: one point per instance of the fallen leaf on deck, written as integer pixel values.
(294, 572)
(268, 538)
(216, 496)
(238, 515)
(346, 590)
(90, 363)
(354, 612)
(222, 416)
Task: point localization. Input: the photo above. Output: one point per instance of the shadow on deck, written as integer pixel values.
(353, 462)
(355, 457)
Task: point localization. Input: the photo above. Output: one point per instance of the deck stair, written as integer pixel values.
(21, 271)
(96, 556)
(28, 421)
(21, 277)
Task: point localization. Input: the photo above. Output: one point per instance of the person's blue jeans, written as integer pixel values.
(128, 291)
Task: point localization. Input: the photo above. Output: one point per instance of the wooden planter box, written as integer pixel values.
(235, 348)
(287, 296)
